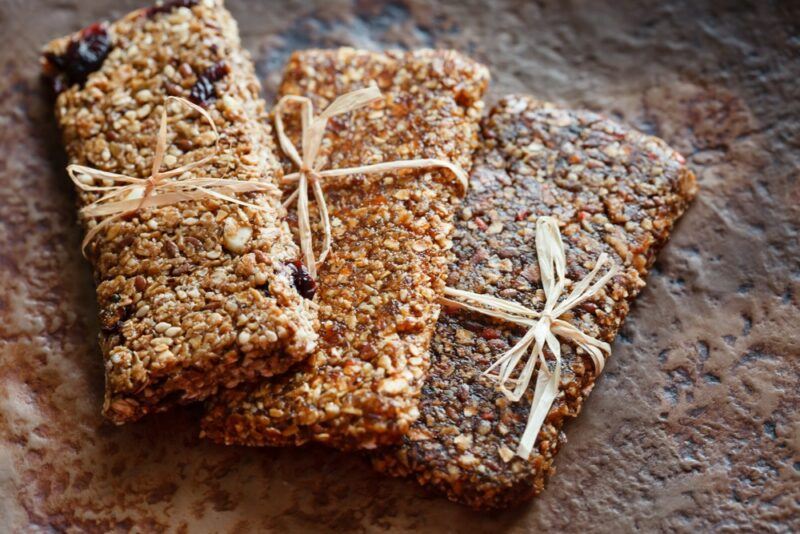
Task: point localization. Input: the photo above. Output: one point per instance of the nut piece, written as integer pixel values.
(393, 387)
(236, 237)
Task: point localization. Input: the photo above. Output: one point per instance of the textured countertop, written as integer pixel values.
(693, 426)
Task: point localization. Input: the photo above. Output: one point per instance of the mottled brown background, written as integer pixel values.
(695, 424)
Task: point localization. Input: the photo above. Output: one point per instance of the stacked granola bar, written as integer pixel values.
(199, 294)
(378, 290)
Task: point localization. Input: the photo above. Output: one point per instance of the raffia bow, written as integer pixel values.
(544, 328)
(313, 130)
(129, 194)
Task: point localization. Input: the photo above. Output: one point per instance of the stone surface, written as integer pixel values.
(693, 426)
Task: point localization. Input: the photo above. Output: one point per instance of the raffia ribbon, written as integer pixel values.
(129, 194)
(544, 328)
(313, 130)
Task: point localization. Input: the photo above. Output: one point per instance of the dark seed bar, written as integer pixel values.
(614, 190)
(199, 294)
(377, 291)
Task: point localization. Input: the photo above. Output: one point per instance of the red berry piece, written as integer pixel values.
(302, 280)
(84, 55)
(217, 71)
(203, 92)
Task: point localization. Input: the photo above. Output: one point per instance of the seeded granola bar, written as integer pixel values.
(614, 190)
(199, 294)
(378, 289)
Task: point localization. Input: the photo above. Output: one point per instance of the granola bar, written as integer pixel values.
(198, 294)
(378, 289)
(614, 190)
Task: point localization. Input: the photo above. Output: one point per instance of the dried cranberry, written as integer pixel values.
(522, 215)
(490, 333)
(302, 280)
(84, 55)
(217, 71)
(203, 92)
(166, 7)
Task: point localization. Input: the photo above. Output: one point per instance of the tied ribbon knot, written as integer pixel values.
(129, 194)
(544, 328)
(309, 168)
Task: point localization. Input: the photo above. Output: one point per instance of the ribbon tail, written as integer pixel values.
(205, 114)
(550, 255)
(304, 227)
(187, 167)
(460, 174)
(74, 170)
(512, 355)
(161, 144)
(593, 346)
(286, 144)
(597, 357)
(324, 217)
(291, 198)
(500, 304)
(351, 101)
(132, 202)
(232, 200)
(585, 289)
(524, 377)
(543, 398)
(511, 318)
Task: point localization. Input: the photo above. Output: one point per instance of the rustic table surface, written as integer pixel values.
(694, 425)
